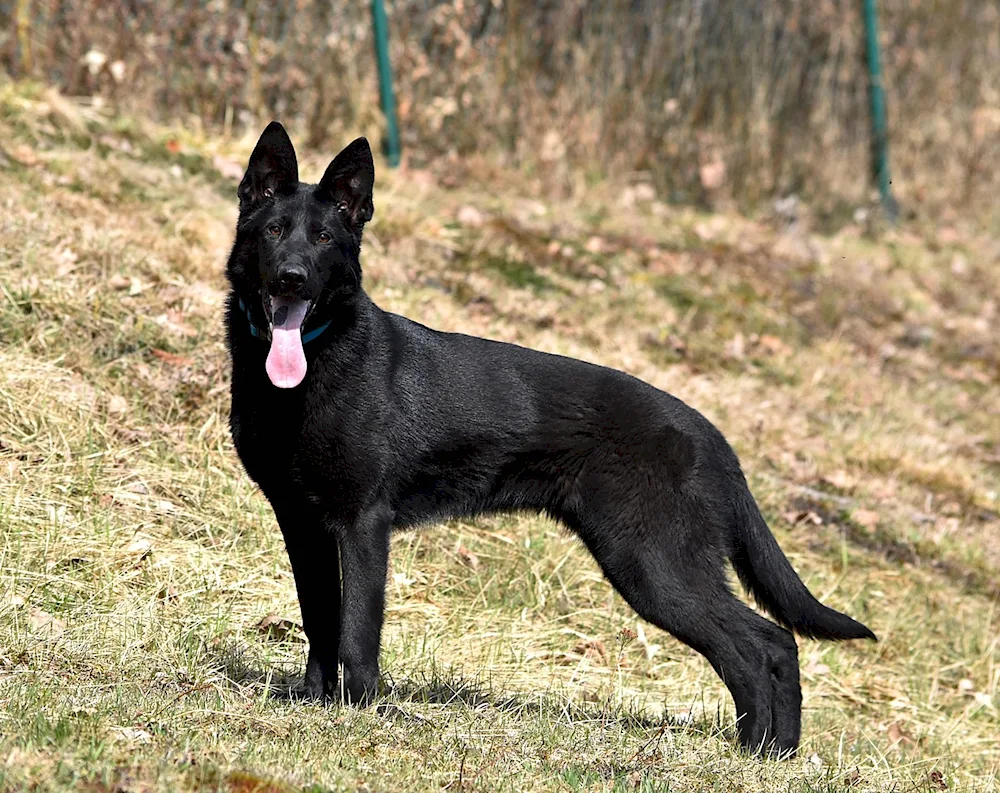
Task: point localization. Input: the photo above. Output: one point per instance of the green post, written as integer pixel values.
(381, 25)
(880, 135)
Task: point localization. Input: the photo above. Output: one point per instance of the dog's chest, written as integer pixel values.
(304, 442)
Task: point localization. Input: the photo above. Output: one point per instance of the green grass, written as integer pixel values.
(137, 562)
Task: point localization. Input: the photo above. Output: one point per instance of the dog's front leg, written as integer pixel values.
(312, 550)
(364, 548)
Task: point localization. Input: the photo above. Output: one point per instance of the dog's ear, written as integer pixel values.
(273, 167)
(349, 180)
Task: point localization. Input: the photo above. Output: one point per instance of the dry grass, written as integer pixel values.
(857, 377)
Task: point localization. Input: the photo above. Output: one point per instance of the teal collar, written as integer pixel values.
(257, 334)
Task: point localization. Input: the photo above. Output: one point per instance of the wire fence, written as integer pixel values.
(709, 99)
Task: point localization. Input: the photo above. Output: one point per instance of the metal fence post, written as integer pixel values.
(880, 135)
(381, 26)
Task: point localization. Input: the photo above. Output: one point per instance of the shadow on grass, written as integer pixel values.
(242, 669)
(451, 688)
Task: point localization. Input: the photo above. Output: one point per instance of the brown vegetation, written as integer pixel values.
(710, 101)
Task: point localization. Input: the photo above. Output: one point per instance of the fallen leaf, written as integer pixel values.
(469, 559)
(132, 734)
(865, 517)
(25, 155)
(279, 629)
(984, 699)
(951, 508)
(897, 735)
(840, 480)
(937, 781)
(66, 259)
(735, 347)
(117, 406)
(713, 173)
(704, 232)
(140, 547)
(470, 216)
(171, 358)
(796, 516)
(773, 345)
(593, 649)
(174, 322)
(639, 193)
(552, 148)
(44, 624)
(167, 594)
(94, 60)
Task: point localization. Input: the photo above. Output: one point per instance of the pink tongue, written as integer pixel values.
(286, 362)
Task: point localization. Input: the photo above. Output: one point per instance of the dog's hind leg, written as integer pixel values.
(682, 589)
(312, 550)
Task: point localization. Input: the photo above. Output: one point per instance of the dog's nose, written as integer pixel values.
(292, 276)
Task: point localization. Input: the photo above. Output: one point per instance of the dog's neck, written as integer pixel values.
(337, 317)
(348, 318)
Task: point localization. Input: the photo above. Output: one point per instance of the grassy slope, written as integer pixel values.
(857, 379)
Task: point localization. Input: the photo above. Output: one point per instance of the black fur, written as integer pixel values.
(396, 424)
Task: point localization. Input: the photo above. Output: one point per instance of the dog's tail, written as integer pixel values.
(768, 575)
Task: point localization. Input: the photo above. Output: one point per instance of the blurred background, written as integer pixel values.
(721, 102)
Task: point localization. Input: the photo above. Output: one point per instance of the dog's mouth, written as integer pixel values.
(286, 360)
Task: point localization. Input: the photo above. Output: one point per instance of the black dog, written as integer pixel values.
(355, 421)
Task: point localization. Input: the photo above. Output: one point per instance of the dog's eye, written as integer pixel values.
(268, 192)
(323, 238)
(274, 230)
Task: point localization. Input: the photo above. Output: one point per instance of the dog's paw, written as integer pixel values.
(317, 685)
(315, 691)
(360, 687)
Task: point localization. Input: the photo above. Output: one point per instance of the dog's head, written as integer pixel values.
(297, 245)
